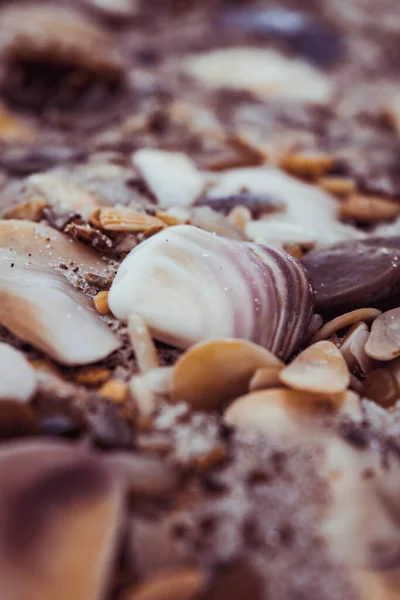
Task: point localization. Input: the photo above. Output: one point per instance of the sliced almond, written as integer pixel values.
(31, 210)
(211, 373)
(142, 343)
(124, 219)
(319, 369)
(384, 341)
(182, 584)
(264, 378)
(345, 320)
(17, 376)
(368, 209)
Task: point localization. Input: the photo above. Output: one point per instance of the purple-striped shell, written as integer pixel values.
(189, 285)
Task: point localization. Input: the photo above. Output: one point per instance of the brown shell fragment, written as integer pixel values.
(355, 273)
(61, 508)
(182, 584)
(383, 386)
(339, 186)
(101, 303)
(345, 320)
(384, 341)
(123, 219)
(309, 166)
(368, 209)
(319, 369)
(31, 210)
(212, 373)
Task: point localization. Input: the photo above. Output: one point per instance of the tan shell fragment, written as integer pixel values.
(384, 341)
(345, 320)
(142, 343)
(353, 348)
(310, 166)
(183, 584)
(31, 210)
(123, 219)
(212, 373)
(264, 378)
(282, 413)
(368, 209)
(101, 303)
(61, 507)
(319, 369)
(17, 376)
(338, 186)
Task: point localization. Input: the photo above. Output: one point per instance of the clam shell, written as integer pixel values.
(17, 376)
(212, 373)
(319, 369)
(39, 305)
(61, 508)
(189, 286)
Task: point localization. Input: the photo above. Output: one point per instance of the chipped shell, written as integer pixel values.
(319, 369)
(384, 340)
(17, 376)
(190, 286)
(39, 305)
(212, 373)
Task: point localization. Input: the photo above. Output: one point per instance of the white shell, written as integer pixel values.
(189, 285)
(171, 176)
(39, 305)
(263, 72)
(17, 376)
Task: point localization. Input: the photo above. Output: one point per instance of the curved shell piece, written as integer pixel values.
(211, 373)
(319, 369)
(189, 285)
(384, 340)
(17, 376)
(39, 305)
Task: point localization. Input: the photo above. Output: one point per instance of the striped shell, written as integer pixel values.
(189, 285)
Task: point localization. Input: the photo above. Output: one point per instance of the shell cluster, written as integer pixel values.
(189, 285)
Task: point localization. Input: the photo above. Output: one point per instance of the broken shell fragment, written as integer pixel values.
(345, 320)
(319, 369)
(212, 373)
(61, 508)
(189, 286)
(171, 176)
(384, 341)
(264, 378)
(353, 348)
(39, 305)
(17, 376)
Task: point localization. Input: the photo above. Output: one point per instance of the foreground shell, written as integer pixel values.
(17, 376)
(39, 304)
(189, 285)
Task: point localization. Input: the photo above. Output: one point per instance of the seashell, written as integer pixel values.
(338, 186)
(39, 305)
(282, 413)
(101, 303)
(369, 209)
(123, 219)
(383, 384)
(308, 165)
(264, 378)
(17, 376)
(332, 272)
(143, 346)
(319, 369)
(180, 584)
(345, 320)
(171, 176)
(384, 341)
(31, 210)
(189, 285)
(209, 220)
(353, 348)
(62, 509)
(309, 214)
(212, 373)
(256, 203)
(264, 73)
